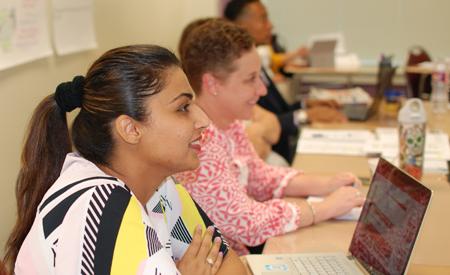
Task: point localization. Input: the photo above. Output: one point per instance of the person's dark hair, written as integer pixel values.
(188, 30)
(2, 268)
(119, 82)
(213, 47)
(235, 8)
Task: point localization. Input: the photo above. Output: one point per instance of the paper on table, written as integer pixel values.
(437, 148)
(365, 143)
(353, 215)
(338, 142)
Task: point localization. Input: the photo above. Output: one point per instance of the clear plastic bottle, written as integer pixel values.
(439, 93)
(412, 130)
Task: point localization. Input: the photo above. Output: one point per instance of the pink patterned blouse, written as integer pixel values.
(239, 191)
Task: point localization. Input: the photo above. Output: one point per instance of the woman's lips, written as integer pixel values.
(196, 145)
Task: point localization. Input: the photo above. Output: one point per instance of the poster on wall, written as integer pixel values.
(23, 32)
(73, 26)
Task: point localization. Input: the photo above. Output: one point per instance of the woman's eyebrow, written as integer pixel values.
(188, 95)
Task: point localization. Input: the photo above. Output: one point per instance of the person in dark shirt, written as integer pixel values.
(252, 16)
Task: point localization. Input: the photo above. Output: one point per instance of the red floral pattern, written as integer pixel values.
(239, 191)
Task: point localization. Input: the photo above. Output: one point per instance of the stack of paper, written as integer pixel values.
(334, 142)
(365, 143)
(437, 148)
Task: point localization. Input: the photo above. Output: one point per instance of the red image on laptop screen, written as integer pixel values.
(390, 221)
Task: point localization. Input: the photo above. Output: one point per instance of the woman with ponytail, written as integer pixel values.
(99, 199)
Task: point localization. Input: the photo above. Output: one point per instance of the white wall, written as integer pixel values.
(370, 27)
(118, 23)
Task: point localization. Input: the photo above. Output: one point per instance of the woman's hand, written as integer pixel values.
(343, 179)
(200, 257)
(329, 184)
(303, 185)
(339, 203)
(336, 204)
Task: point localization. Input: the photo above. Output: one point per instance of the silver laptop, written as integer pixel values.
(362, 112)
(384, 237)
(321, 53)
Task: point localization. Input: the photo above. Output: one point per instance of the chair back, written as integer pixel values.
(418, 85)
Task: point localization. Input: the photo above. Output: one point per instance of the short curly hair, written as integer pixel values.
(213, 47)
(188, 30)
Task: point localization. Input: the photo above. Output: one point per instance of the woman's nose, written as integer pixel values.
(201, 119)
(261, 88)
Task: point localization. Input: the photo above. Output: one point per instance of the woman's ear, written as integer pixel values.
(128, 129)
(209, 84)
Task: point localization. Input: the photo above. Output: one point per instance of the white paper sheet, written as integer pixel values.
(334, 142)
(352, 215)
(437, 148)
(23, 32)
(73, 26)
(365, 143)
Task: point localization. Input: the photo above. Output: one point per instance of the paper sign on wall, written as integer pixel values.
(23, 32)
(73, 26)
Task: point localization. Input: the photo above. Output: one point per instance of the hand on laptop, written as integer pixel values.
(282, 59)
(324, 185)
(338, 203)
(318, 185)
(340, 194)
(352, 215)
(343, 179)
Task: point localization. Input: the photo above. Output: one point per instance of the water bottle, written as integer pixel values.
(391, 105)
(412, 129)
(439, 93)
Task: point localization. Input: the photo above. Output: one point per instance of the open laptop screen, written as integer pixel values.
(322, 54)
(390, 220)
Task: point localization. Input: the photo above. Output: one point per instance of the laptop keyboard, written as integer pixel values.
(320, 265)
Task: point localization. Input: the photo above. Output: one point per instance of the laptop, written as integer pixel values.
(362, 112)
(384, 237)
(321, 54)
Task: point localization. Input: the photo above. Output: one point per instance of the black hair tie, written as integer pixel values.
(69, 95)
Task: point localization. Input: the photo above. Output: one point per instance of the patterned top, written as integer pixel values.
(239, 191)
(91, 223)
